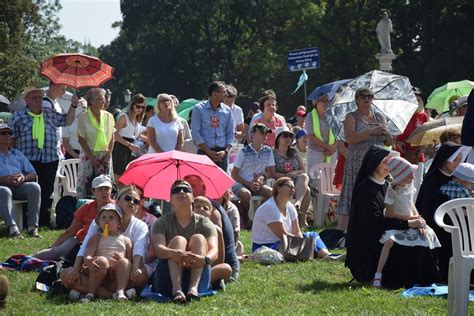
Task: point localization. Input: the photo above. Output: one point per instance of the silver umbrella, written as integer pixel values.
(393, 97)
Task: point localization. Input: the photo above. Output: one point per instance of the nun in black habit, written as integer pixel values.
(430, 197)
(405, 265)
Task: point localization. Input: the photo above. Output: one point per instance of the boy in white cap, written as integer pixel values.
(461, 184)
(399, 205)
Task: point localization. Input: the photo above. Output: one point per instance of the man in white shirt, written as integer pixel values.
(237, 112)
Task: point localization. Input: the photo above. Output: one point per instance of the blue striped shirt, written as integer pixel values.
(14, 162)
(22, 126)
(215, 128)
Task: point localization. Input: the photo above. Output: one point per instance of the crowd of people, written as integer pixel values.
(386, 205)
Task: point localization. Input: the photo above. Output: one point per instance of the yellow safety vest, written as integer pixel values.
(317, 133)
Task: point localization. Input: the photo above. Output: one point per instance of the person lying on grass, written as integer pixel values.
(108, 252)
(220, 271)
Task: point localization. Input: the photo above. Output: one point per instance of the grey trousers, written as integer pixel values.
(29, 191)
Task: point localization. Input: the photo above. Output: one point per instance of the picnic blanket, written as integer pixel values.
(147, 294)
(433, 290)
(24, 263)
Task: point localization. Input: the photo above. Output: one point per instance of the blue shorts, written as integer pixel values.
(161, 281)
(318, 243)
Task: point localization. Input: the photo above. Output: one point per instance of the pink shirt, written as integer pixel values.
(273, 125)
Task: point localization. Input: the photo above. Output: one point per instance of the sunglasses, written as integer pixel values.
(286, 134)
(130, 198)
(366, 96)
(292, 187)
(185, 189)
(140, 106)
(9, 133)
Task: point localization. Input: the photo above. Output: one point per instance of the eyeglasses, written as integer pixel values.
(178, 189)
(291, 187)
(140, 106)
(286, 134)
(130, 198)
(366, 96)
(9, 133)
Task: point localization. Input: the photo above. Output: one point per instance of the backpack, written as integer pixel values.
(65, 211)
(48, 279)
(333, 238)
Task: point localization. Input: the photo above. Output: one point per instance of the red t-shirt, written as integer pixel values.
(86, 214)
(416, 121)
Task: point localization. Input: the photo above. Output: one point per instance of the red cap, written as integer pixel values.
(301, 113)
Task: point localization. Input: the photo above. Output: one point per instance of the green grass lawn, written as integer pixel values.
(315, 287)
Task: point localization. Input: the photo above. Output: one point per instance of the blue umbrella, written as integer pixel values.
(328, 88)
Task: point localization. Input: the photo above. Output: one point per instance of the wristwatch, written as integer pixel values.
(207, 260)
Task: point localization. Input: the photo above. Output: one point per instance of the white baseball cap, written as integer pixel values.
(101, 181)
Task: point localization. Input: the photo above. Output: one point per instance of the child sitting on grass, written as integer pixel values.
(461, 184)
(399, 204)
(108, 253)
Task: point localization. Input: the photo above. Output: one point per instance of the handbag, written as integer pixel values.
(297, 248)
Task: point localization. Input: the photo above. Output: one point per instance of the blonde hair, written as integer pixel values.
(164, 96)
(128, 189)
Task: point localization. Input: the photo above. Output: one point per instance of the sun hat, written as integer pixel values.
(458, 103)
(282, 129)
(261, 128)
(4, 125)
(399, 168)
(30, 89)
(101, 181)
(110, 207)
(465, 172)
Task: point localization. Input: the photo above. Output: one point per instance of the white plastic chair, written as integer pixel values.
(323, 175)
(66, 179)
(461, 213)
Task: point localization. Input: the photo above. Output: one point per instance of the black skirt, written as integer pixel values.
(121, 156)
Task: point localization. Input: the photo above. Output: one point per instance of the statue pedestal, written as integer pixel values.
(385, 61)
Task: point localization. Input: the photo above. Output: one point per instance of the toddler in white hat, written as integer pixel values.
(461, 184)
(399, 205)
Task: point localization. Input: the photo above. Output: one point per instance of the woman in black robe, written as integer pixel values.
(405, 266)
(430, 197)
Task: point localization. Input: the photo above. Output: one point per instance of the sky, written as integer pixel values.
(90, 20)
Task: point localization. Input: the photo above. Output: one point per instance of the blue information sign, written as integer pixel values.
(307, 58)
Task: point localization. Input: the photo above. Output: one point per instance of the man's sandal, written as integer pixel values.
(179, 297)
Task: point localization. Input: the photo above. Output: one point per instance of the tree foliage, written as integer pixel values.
(180, 45)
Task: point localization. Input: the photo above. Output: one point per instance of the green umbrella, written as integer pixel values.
(150, 101)
(439, 98)
(186, 106)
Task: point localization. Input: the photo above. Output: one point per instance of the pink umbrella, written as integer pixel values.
(155, 173)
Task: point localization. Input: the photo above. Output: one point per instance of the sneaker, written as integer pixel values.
(3, 290)
(131, 294)
(87, 298)
(74, 295)
(119, 296)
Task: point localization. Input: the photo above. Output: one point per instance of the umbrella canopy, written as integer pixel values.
(150, 101)
(3, 99)
(439, 98)
(155, 173)
(328, 88)
(186, 106)
(429, 133)
(76, 70)
(393, 98)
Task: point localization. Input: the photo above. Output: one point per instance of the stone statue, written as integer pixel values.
(384, 28)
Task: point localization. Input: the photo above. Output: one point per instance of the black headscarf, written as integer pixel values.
(371, 161)
(443, 153)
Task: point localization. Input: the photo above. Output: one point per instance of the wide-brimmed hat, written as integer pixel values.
(399, 168)
(30, 89)
(110, 207)
(465, 171)
(282, 129)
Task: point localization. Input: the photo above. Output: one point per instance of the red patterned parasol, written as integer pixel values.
(76, 70)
